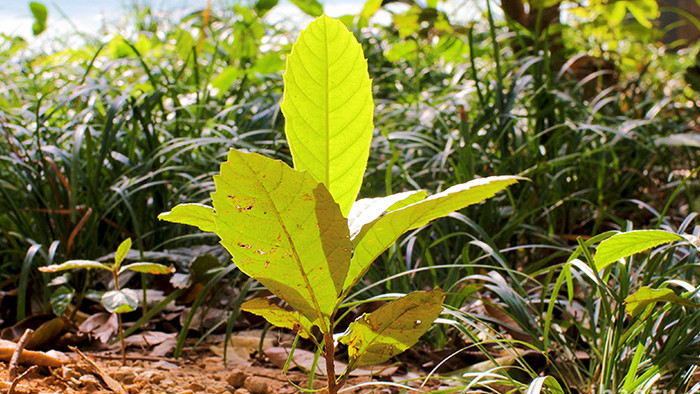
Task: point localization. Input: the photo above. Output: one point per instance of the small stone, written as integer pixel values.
(241, 391)
(124, 376)
(154, 377)
(165, 365)
(255, 385)
(89, 382)
(187, 392)
(236, 378)
(194, 386)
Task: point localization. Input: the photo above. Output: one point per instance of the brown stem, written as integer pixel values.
(330, 363)
(121, 338)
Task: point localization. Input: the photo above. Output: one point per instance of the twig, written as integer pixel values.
(20, 377)
(109, 381)
(135, 358)
(12, 371)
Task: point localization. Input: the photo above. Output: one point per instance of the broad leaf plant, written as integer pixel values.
(300, 232)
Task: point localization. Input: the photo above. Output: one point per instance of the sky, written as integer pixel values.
(90, 15)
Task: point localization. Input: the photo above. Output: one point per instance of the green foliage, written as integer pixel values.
(40, 14)
(644, 297)
(116, 301)
(96, 137)
(376, 337)
(625, 244)
(286, 227)
(328, 108)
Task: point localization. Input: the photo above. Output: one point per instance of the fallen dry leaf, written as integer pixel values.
(101, 325)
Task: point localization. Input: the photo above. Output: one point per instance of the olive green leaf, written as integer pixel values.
(283, 229)
(393, 328)
(328, 108)
(626, 244)
(636, 303)
(148, 268)
(377, 235)
(275, 315)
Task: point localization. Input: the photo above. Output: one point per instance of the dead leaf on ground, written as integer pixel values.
(242, 345)
(101, 326)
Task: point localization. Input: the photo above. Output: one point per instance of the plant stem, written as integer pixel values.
(121, 338)
(115, 273)
(330, 362)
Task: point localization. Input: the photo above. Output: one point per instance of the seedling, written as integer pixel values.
(300, 232)
(118, 300)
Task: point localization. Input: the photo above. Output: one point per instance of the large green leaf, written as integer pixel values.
(277, 316)
(377, 235)
(284, 229)
(393, 328)
(626, 244)
(328, 108)
(636, 303)
(198, 215)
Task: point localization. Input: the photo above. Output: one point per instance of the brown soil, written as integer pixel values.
(203, 372)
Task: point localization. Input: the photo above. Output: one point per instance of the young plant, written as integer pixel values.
(118, 300)
(300, 232)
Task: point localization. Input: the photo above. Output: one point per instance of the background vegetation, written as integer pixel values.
(585, 100)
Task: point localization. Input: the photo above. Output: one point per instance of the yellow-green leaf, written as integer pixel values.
(148, 268)
(328, 108)
(626, 244)
(393, 328)
(73, 264)
(275, 315)
(636, 303)
(198, 215)
(122, 250)
(376, 236)
(368, 209)
(283, 228)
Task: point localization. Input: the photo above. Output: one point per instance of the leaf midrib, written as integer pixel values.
(328, 108)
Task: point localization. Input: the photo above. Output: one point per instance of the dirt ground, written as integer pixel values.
(197, 372)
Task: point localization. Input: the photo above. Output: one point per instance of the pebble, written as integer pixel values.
(194, 386)
(255, 385)
(123, 375)
(187, 392)
(89, 382)
(241, 391)
(236, 378)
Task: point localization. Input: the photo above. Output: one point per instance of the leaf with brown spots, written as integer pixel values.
(284, 229)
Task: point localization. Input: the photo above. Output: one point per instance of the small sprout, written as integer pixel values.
(114, 301)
